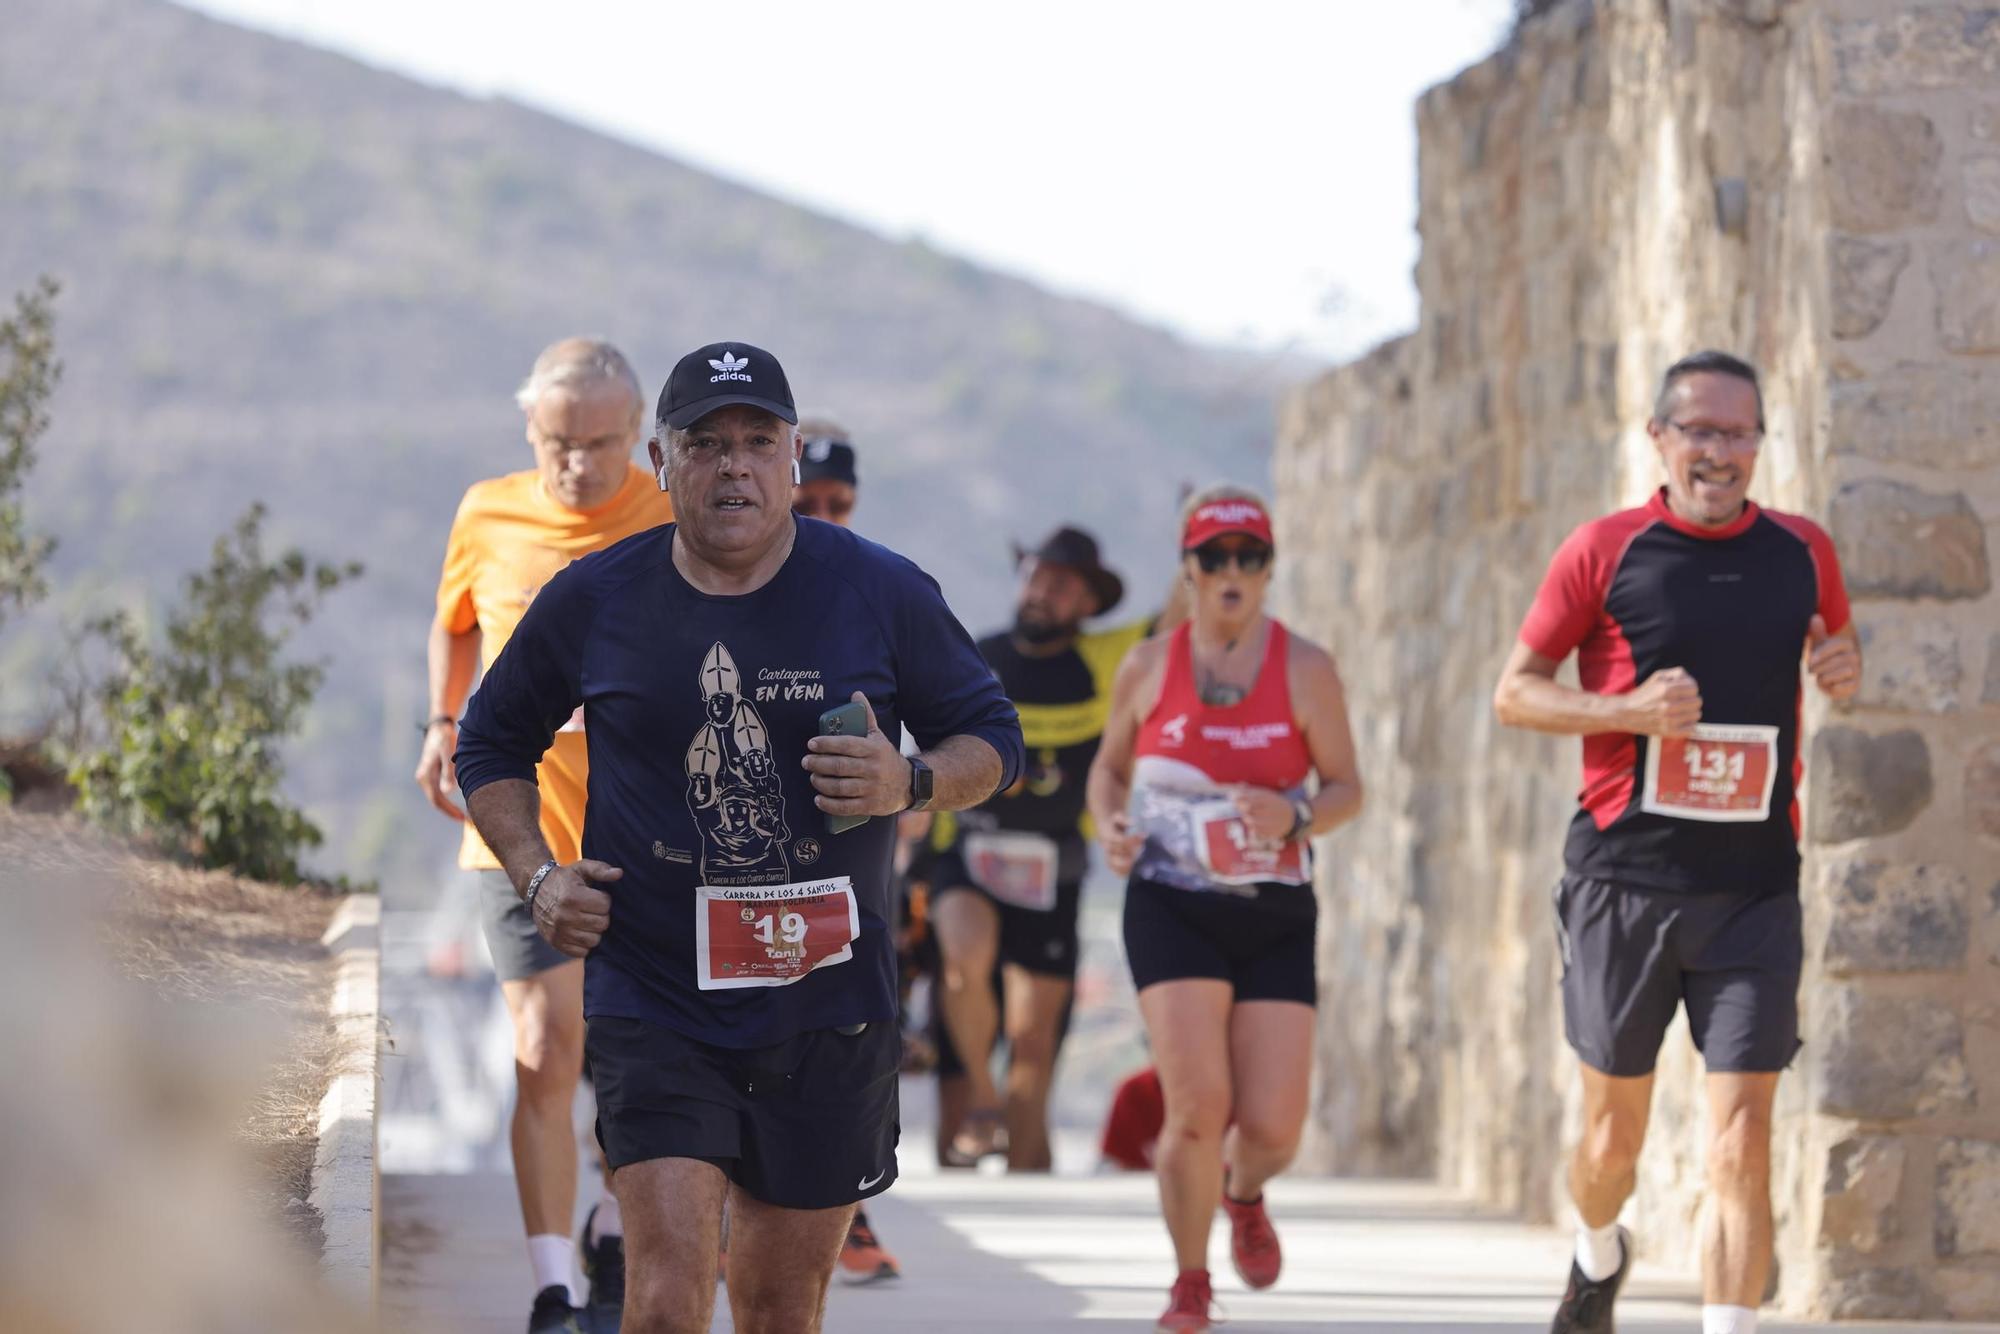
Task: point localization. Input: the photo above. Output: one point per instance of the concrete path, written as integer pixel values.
(986, 1254)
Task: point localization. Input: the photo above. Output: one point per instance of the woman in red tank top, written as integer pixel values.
(1226, 751)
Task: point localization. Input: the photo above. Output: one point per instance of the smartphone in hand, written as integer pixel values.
(849, 719)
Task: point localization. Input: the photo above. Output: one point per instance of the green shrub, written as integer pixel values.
(187, 735)
(28, 375)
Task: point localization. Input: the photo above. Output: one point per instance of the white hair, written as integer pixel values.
(576, 362)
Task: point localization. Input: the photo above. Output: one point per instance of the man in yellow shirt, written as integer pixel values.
(584, 410)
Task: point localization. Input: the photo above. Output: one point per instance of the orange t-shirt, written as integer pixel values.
(510, 537)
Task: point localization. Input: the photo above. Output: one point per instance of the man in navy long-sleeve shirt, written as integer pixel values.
(740, 988)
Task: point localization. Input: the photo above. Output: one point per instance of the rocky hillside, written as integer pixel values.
(291, 277)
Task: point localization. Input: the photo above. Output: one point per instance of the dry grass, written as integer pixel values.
(238, 945)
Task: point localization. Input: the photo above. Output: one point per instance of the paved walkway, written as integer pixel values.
(986, 1254)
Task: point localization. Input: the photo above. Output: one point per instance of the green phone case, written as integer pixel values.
(849, 719)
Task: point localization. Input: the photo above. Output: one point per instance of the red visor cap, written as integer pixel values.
(1221, 517)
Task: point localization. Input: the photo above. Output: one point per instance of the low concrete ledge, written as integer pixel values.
(346, 1185)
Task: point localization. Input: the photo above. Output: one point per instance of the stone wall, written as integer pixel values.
(1816, 185)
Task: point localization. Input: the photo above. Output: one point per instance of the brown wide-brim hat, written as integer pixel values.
(1074, 549)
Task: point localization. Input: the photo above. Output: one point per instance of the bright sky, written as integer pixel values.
(1239, 172)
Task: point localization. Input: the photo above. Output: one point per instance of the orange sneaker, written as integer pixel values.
(862, 1259)
(1187, 1305)
(1253, 1242)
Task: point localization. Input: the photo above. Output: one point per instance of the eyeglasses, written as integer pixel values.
(1249, 559)
(1703, 437)
(817, 507)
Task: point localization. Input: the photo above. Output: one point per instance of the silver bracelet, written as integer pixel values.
(535, 884)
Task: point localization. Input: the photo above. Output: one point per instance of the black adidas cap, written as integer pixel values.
(721, 374)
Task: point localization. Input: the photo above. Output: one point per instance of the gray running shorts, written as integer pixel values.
(1631, 956)
(518, 949)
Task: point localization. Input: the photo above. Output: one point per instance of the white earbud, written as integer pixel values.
(797, 476)
(662, 476)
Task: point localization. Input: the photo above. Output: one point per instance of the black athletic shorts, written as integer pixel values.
(518, 949)
(1040, 942)
(1632, 955)
(808, 1123)
(1260, 944)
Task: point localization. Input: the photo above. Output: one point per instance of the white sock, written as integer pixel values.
(553, 1258)
(1728, 1320)
(605, 1220)
(1598, 1253)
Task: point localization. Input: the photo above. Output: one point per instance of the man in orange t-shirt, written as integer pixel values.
(512, 534)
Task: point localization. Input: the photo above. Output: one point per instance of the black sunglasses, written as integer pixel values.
(1250, 560)
(812, 507)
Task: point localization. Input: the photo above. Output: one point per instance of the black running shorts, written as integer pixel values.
(518, 950)
(1632, 955)
(1040, 942)
(808, 1123)
(1262, 945)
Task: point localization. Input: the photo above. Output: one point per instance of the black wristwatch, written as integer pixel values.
(921, 779)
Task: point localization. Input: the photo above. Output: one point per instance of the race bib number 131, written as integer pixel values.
(1718, 772)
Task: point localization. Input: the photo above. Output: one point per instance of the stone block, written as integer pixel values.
(1982, 791)
(1968, 1197)
(1945, 46)
(1991, 694)
(1867, 785)
(1875, 1294)
(1864, 1179)
(1732, 206)
(1967, 277)
(1911, 664)
(1898, 541)
(1885, 1057)
(1864, 282)
(1884, 168)
(1968, 1293)
(1982, 192)
(1933, 416)
(1894, 917)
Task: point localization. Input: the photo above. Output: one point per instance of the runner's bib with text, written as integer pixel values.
(1233, 856)
(1014, 866)
(772, 935)
(1721, 772)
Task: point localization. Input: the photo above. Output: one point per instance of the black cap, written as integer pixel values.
(721, 374)
(828, 459)
(1077, 550)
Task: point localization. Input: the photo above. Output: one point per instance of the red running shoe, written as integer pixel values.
(1187, 1305)
(862, 1259)
(1253, 1242)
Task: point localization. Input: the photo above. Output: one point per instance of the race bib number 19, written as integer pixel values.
(772, 935)
(1718, 772)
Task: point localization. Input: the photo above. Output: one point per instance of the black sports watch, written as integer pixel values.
(921, 779)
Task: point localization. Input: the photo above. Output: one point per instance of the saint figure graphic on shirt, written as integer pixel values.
(733, 786)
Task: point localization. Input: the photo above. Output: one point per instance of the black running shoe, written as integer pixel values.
(604, 1266)
(552, 1313)
(1586, 1307)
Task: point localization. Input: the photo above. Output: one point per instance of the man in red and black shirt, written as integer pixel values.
(1690, 617)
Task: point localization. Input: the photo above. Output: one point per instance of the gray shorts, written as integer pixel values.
(1631, 956)
(518, 949)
